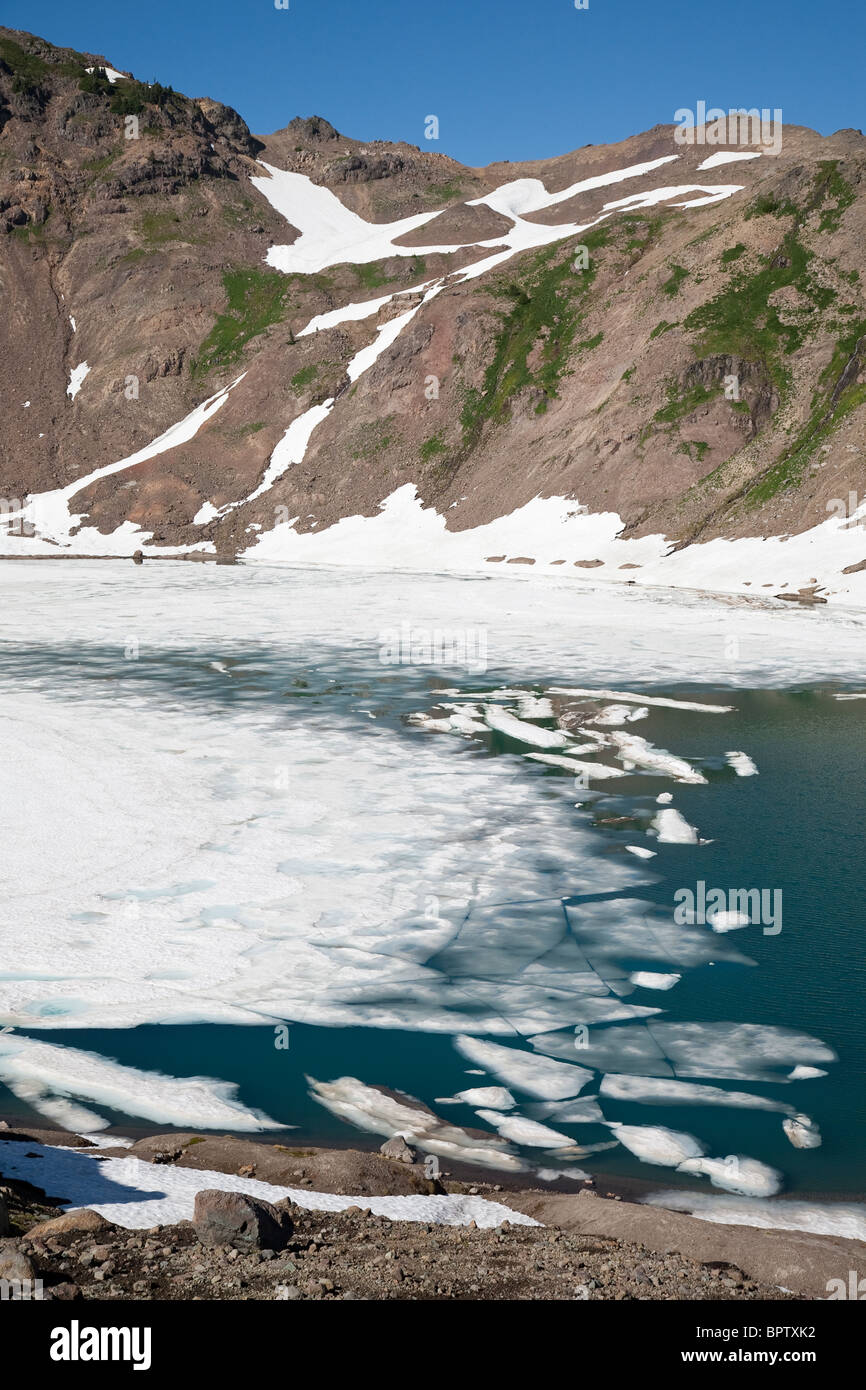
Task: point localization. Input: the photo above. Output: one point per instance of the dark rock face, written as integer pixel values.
(312, 128)
(245, 1223)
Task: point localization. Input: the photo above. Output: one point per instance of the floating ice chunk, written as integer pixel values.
(512, 727)
(65, 1113)
(663, 1090)
(742, 764)
(668, 1148)
(465, 724)
(191, 1101)
(746, 1050)
(380, 1112)
(844, 1219)
(493, 1097)
(624, 695)
(529, 1133)
(641, 852)
(583, 1111)
(736, 1174)
(426, 721)
(614, 715)
(722, 921)
(598, 772)
(854, 695)
(648, 979)
(555, 1174)
(664, 798)
(801, 1073)
(641, 753)
(802, 1132)
(135, 1195)
(526, 1071)
(76, 379)
(534, 707)
(728, 157)
(674, 829)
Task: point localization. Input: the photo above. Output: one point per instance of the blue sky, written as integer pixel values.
(508, 79)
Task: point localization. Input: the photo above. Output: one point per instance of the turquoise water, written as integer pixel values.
(798, 827)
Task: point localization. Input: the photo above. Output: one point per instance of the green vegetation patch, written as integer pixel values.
(444, 192)
(838, 394)
(662, 327)
(256, 299)
(305, 377)
(27, 70)
(694, 449)
(372, 439)
(433, 446)
(373, 275)
(733, 253)
(741, 321)
(831, 186)
(546, 301)
(682, 403)
(671, 287)
(768, 205)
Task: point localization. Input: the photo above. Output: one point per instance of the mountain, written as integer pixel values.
(604, 359)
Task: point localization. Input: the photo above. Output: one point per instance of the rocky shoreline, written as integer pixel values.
(239, 1247)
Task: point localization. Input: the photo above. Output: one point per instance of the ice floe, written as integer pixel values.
(523, 732)
(649, 979)
(656, 701)
(802, 1132)
(659, 1090)
(529, 1133)
(56, 1071)
(669, 1148)
(598, 772)
(736, 1173)
(638, 752)
(383, 1112)
(493, 1097)
(673, 829)
(527, 1072)
(742, 764)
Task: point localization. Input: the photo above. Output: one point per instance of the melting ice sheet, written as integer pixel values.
(187, 845)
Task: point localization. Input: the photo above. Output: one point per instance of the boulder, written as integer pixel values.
(5, 1224)
(242, 1222)
(14, 1265)
(70, 1221)
(398, 1148)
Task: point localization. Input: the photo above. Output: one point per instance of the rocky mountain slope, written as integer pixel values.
(670, 335)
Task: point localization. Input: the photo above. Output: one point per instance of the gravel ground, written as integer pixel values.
(355, 1255)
